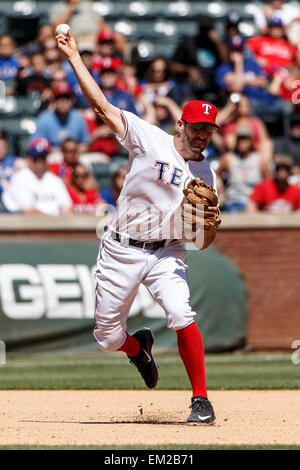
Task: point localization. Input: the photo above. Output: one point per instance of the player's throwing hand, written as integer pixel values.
(66, 44)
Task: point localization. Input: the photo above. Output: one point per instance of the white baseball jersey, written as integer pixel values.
(48, 194)
(149, 206)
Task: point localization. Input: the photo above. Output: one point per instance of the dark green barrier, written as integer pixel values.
(47, 298)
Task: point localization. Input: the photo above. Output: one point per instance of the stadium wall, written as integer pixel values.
(263, 247)
(266, 248)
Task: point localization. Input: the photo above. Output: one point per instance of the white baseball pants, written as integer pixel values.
(120, 270)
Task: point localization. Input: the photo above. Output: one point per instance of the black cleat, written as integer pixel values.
(202, 412)
(144, 360)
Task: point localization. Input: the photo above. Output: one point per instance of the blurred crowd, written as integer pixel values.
(254, 81)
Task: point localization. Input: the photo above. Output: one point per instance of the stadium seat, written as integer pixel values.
(29, 105)
(107, 9)
(102, 173)
(19, 131)
(126, 27)
(23, 28)
(9, 107)
(139, 8)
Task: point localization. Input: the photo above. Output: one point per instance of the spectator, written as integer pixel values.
(70, 153)
(114, 95)
(106, 52)
(111, 194)
(36, 46)
(52, 55)
(166, 114)
(273, 51)
(83, 19)
(285, 83)
(57, 79)
(128, 81)
(290, 145)
(241, 115)
(85, 199)
(158, 83)
(276, 194)
(36, 81)
(196, 58)
(34, 190)
(232, 22)
(243, 74)
(9, 65)
(63, 121)
(244, 169)
(86, 52)
(288, 13)
(102, 139)
(7, 162)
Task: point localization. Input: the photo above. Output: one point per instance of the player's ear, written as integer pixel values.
(180, 126)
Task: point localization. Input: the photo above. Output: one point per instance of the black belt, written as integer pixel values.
(138, 243)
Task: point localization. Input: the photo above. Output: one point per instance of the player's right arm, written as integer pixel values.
(110, 114)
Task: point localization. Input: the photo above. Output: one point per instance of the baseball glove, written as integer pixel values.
(195, 211)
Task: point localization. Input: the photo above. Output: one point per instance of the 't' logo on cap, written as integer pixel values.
(207, 108)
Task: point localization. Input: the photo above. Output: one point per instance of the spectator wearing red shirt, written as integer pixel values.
(103, 140)
(274, 51)
(241, 115)
(70, 153)
(106, 52)
(276, 195)
(85, 199)
(286, 84)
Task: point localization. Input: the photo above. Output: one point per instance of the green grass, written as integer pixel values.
(224, 371)
(165, 447)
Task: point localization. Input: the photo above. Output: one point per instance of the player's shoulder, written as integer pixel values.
(138, 123)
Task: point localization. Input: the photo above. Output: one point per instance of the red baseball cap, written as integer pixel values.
(63, 89)
(200, 111)
(38, 146)
(106, 35)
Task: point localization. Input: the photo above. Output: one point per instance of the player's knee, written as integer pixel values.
(178, 320)
(108, 341)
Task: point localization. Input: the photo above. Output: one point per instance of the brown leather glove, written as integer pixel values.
(195, 211)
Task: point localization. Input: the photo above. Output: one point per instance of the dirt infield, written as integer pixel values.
(146, 417)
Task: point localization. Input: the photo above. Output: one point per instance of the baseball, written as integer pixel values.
(62, 29)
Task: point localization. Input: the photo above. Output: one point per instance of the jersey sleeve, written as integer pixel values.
(16, 198)
(138, 134)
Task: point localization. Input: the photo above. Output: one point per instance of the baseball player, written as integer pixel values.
(144, 241)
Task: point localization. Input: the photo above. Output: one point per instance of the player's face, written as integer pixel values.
(197, 136)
